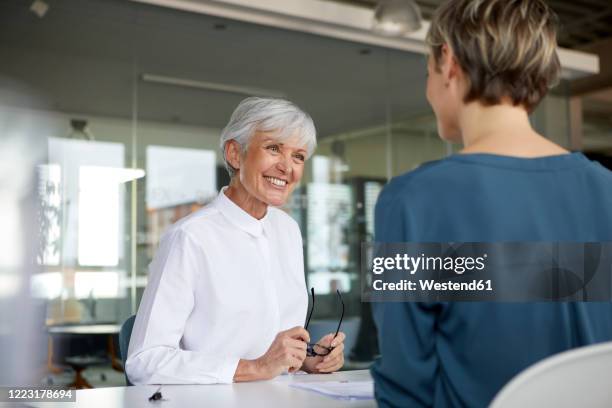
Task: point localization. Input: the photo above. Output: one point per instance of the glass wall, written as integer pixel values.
(137, 96)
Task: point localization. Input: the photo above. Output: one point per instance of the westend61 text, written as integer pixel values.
(432, 285)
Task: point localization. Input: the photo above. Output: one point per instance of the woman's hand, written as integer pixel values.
(287, 352)
(331, 362)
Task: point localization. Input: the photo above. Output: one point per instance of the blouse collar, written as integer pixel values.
(238, 216)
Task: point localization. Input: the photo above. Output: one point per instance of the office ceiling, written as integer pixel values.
(84, 54)
(582, 21)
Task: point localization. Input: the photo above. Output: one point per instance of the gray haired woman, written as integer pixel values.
(226, 297)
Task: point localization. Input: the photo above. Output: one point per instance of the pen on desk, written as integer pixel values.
(156, 396)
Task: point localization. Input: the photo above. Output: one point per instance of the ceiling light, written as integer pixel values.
(39, 7)
(396, 17)
(80, 130)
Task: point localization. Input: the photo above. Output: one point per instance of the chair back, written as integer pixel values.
(124, 342)
(575, 378)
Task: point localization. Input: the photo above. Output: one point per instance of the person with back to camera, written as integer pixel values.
(490, 64)
(226, 298)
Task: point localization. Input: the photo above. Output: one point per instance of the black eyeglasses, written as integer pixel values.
(314, 349)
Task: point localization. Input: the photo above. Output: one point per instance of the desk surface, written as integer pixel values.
(85, 329)
(260, 394)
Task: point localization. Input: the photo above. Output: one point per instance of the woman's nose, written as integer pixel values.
(284, 164)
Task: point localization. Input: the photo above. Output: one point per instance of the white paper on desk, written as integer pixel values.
(361, 390)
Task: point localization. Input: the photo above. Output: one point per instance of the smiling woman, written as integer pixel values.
(266, 162)
(226, 299)
(266, 173)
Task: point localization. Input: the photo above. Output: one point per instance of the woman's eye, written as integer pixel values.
(300, 157)
(274, 148)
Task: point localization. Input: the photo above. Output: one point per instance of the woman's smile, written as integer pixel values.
(277, 182)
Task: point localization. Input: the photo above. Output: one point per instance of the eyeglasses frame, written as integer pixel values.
(310, 347)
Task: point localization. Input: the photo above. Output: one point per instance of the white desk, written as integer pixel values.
(260, 394)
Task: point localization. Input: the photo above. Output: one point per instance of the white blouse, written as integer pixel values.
(220, 288)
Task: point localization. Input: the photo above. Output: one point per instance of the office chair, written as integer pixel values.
(575, 378)
(124, 342)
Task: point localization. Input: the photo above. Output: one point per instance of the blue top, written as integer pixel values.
(461, 354)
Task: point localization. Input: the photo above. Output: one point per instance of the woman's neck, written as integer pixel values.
(502, 129)
(241, 197)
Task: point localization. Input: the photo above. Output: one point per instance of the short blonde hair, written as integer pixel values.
(507, 48)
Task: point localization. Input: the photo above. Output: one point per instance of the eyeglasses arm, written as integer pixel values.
(342, 315)
(311, 309)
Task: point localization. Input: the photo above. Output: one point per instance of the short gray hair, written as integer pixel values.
(267, 114)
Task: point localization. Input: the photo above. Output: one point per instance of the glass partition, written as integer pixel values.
(137, 97)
